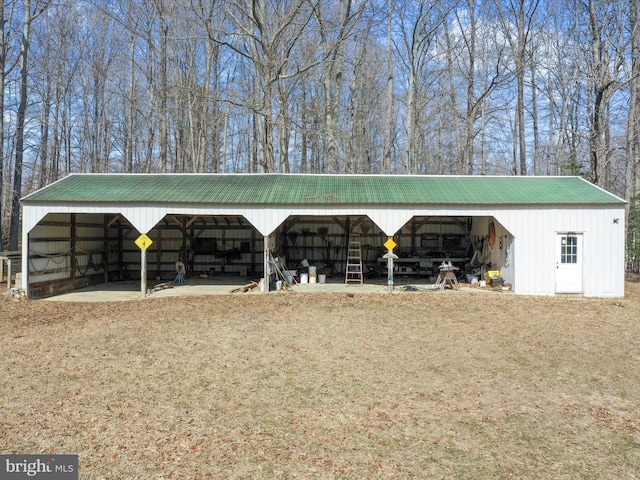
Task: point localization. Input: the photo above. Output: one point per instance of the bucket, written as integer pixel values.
(288, 279)
(312, 270)
(322, 278)
(279, 285)
(304, 278)
(312, 279)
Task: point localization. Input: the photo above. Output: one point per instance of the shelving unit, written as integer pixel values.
(422, 244)
(330, 249)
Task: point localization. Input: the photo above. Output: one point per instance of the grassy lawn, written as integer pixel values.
(414, 385)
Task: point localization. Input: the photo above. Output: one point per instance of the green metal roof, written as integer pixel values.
(290, 189)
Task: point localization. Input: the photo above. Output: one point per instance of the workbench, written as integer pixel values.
(418, 265)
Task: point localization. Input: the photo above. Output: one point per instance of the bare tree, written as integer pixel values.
(57, 60)
(334, 28)
(212, 17)
(560, 57)
(451, 87)
(632, 175)
(4, 48)
(160, 33)
(131, 95)
(519, 15)
(607, 59)
(30, 13)
(364, 124)
(386, 154)
(419, 28)
(481, 68)
(3, 61)
(266, 33)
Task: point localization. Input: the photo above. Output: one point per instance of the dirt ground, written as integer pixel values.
(446, 384)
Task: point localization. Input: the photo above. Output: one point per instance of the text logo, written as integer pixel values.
(45, 467)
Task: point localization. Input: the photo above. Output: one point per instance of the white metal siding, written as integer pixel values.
(534, 231)
(90, 245)
(51, 258)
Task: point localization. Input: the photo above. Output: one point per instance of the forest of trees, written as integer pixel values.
(514, 87)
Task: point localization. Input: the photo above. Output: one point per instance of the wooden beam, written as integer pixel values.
(73, 261)
(113, 220)
(463, 226)
(190, 222)
(423, 222)
(176, 220)
(290, 223)
(357, 222)
(339, 223)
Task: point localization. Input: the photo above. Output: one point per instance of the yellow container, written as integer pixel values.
(490, 274)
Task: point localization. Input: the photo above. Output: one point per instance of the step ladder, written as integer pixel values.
(353, 275)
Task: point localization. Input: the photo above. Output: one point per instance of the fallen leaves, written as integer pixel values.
(430, 385)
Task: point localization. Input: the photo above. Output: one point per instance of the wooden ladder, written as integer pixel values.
(354, 261)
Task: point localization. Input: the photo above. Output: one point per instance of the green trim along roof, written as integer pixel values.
(291, 189)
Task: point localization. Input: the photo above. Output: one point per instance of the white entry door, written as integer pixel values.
(569, 263)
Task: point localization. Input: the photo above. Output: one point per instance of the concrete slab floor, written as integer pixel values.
(130, 290)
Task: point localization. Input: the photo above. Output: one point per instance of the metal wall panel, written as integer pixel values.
(535, 232)
(532, 229)
(50, 248)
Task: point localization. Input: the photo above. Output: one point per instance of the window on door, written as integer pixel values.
(569, 249)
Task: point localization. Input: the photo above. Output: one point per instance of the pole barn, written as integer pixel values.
(543, 235)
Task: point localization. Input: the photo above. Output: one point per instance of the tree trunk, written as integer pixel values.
(453, 103)
(607, 63)
(469, 136)
(522, 20)
(163, 113)
(55, 147)
(2, 81)
(128, 130)
(534, 119)
(386, 154)
(520, 66)
(304, 159)
(332, 88)
(14, 229)
(284, 129)
(333, 52)
(411, 151)
(632, 176)
(43, 177)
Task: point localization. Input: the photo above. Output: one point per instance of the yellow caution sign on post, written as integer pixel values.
(390, 244)
(143, 242)
(390, 256)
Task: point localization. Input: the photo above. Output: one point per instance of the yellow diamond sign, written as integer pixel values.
(390, 244)
(143, 242)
